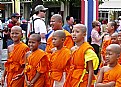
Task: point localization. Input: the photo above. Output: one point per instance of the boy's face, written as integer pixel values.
(15, 34)
(114, 39)
(33, 43)
(111, 56)
(119, 36)
(57, 41)
(77, 35)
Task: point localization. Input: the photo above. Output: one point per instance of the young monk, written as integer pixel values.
(111, 28)
(56, 24)
(119, 42)
(84, 60)
(110, 76)
(59, 60)
(36, 64)
(15, 61)
(114, 40)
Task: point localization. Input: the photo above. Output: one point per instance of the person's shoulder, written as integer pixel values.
(106, 37)
(10, 48)
(24, 44)
(65, 26)
(67, 33)
(66, 49)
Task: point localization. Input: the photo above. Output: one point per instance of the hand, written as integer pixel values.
(112, 84)
(17, 77)
(29, 84)
(2, 81)
(53, 49)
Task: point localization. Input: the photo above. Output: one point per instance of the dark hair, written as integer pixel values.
(37, 12)
(68, 18)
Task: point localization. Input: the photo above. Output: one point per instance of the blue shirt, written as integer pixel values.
(67, 27)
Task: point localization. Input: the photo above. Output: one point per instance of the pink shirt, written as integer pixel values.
(95, 35)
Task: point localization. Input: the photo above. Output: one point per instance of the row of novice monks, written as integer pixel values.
(63, 64)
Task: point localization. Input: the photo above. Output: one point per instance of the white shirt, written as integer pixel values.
(94, 36)
(40, 27)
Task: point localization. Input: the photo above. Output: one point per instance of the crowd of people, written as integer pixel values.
(61, 57)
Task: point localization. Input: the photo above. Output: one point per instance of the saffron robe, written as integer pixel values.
(14, 64)
(68, 42)
(36, 62)
(113, 75)
(103, 50)
(59, 63)
(78, 76)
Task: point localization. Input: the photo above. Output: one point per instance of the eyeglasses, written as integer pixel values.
(43, 11)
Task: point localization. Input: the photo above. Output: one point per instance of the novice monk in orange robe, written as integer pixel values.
(36, 64)
(56, 24)
(84, 60)
(110, 76)
(14, 64)
(111, 28)
(119, 40)
(59, 60)
(113, 40)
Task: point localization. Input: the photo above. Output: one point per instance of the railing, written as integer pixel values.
(5, 0)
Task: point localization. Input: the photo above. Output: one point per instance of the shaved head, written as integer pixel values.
(60, 33)
(81, 27)
(114, 48)
(57, 17)
(36, 37)
(114, 35)
(17, 28)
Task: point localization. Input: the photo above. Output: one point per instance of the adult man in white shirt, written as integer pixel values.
(39, 24)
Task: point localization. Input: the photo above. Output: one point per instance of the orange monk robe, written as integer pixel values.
(68, 42)
(59, 63)
(14, 64)
(103, 50)
(37, 62)
(113, 75)
(78, 76)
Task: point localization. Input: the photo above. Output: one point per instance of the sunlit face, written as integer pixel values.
(55, 24)
(110, 56)
(15, 34)
(119, 36)
(71, 21)
(57, 41)
(114, 40)
(77, 35)
(33, 43)
(109, 27)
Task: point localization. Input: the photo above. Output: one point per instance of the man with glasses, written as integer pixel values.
(14, 21)
(39, 24)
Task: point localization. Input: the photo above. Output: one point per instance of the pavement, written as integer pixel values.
(3, 60)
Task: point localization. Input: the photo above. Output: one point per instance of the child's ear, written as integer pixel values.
(63, 39)
(84, 34)
(118, 56)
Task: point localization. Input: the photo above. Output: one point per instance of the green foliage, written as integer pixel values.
(100, 2)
